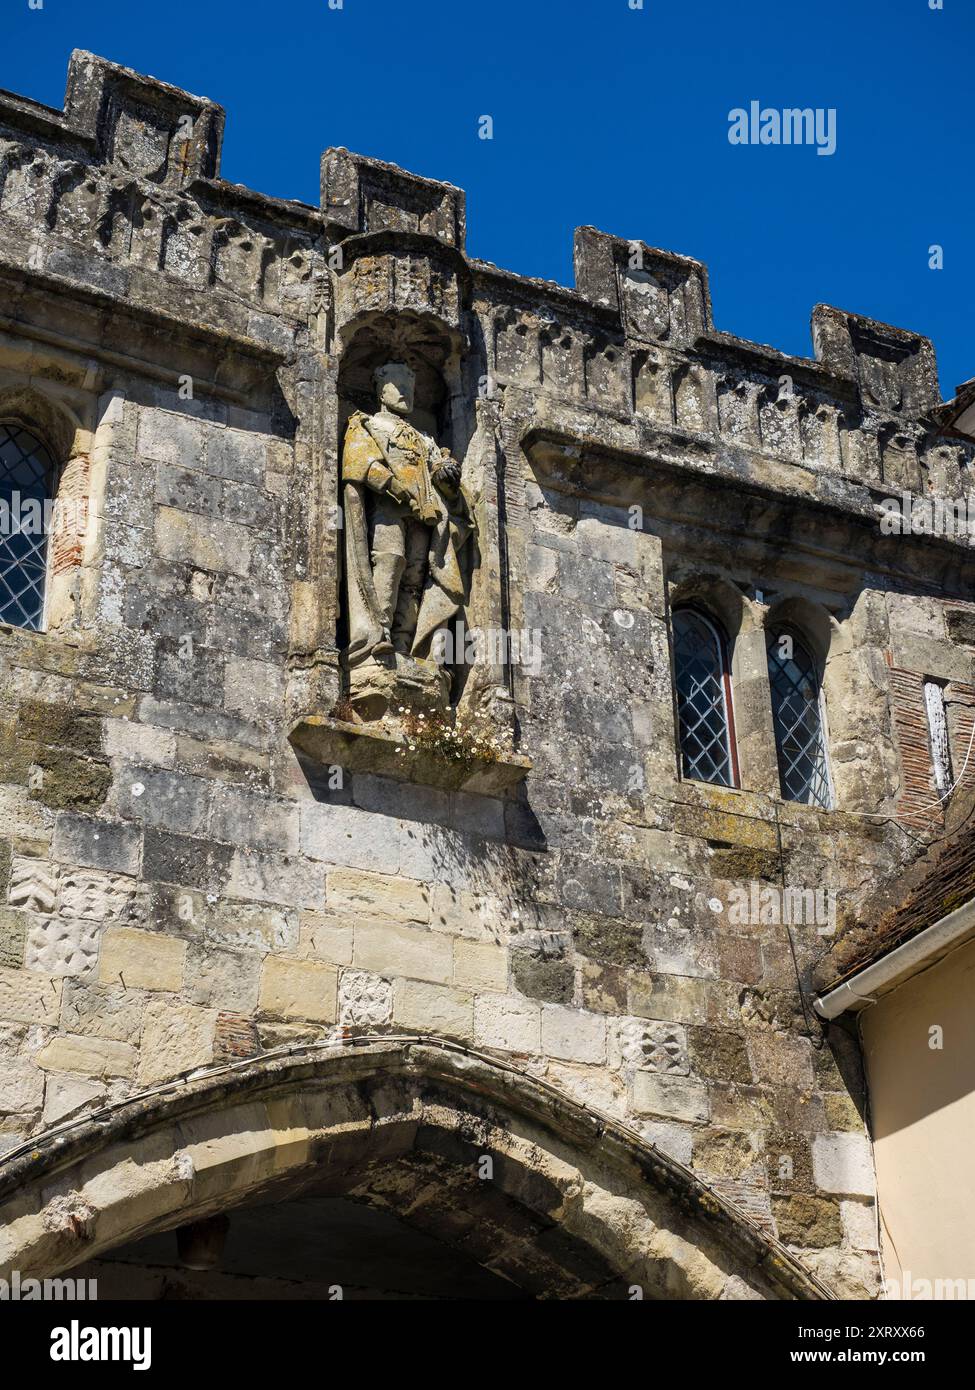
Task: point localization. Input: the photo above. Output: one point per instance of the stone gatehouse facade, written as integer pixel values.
(598, 849)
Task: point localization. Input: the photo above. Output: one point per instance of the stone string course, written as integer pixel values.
(178, 888)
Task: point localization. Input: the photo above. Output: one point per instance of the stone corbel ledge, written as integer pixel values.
(236, 362)
(252, 1129)
(367, 748)
(577, 461)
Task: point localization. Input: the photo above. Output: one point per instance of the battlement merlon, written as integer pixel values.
(122, 119)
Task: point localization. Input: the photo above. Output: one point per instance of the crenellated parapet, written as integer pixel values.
(120, 194)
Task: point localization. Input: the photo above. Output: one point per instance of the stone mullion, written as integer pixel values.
(754, 728)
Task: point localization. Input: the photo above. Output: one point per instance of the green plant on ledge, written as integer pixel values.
(466, 742)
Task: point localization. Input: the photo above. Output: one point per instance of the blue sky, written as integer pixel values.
(605, 115)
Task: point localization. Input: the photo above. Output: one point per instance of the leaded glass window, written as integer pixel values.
(704, 715)
(26, 487)
(797, 713)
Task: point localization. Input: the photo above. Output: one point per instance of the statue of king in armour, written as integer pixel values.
(408, 525)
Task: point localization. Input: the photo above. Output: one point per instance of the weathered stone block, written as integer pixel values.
(806, 1220)
(726, 1153)
(166, 437)
(788, 1161)
(6, 854)
(719, 1055)
(66, 1095)
(843, 1163)
(778, 1059)
(393, 950)
(364, 894)
(187, 861)
(740, 958)
(253, 689)
(299, 989)
(551, 980)
(259, 926)
(507, 1024)
(347, 836)
(97, 844)
(732, 830)
(960, 623)
(141, 959)
(269, 878)
(246, 820)
(671, 1096)
(746, 863)
(227, 980)
(188, 671)
(478, 965)
(59, 725)
(102, 1011)
(26, 997)
(169, 800)
(187, 490)
(478, 916)
(842, 1113)
(237, 455)
(65, 781)
(176, 1038)
(859, 1224)
(430, 1008)
(90, 1056)
(21, 1088)
(587, 885)
(604, 987)
(573, 1035)
(218, 546)
(670, 998)
(326, 938)
(610, 939)
(677, 1140)
(13, 937)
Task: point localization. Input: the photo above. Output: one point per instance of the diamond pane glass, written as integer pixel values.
(26, 481)
(702, 714)
(797, 715)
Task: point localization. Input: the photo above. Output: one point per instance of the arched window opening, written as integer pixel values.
(705, 718)
(27, 480)
(797, 714)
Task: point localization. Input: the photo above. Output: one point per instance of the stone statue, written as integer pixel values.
(407, 525)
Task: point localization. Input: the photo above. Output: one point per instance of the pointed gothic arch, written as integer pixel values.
(605, 1209)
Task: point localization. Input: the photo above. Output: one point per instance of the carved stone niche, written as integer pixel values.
(400, 273)
(415, 521)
